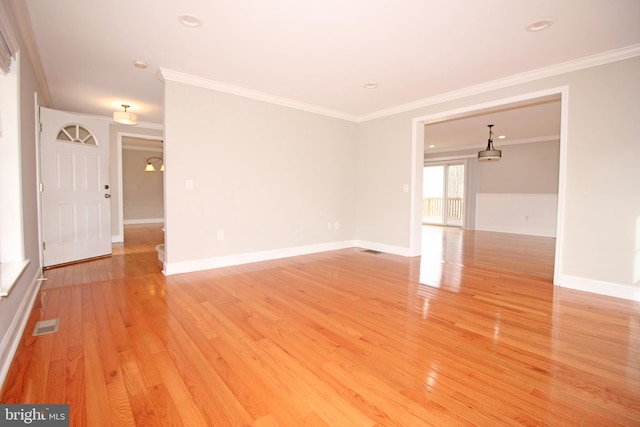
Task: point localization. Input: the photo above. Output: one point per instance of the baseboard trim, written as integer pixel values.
(246, 258)
(11, 338)
(381, 247)
(599, 287)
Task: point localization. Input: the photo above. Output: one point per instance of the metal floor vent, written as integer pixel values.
(371, 251)
(46, 327)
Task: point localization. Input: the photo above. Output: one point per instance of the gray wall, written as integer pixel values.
(116, 133)
(143, 192)
(272, 177)
(598, 246)
(269, 177)
(524, 168)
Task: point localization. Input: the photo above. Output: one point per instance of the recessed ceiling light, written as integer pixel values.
(371, 85)
(539, 25)
(432, 146)
(501, 137)
(189, 20)
(139, 64)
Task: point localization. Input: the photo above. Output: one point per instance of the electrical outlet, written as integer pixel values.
(329, 226)
(336, 225)
(220, 234)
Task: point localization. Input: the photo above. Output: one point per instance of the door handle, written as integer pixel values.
(107, 196)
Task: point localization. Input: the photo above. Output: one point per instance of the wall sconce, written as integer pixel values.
(150, 168)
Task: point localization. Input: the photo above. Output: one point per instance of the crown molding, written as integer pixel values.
(24, 24)
(537, 74)
(499, 144)
(179, 77)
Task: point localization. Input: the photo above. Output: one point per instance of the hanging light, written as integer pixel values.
(489, 154)
(150, 168)
(125, 117)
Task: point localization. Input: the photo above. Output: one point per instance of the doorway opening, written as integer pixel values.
(443, 195)
(468, 152)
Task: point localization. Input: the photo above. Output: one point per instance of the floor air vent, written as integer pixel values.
(371, 251)
(46, 327)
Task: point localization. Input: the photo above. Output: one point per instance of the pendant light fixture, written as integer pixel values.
(125, 117)
(489, 154)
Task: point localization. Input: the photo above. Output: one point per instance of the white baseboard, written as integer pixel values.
(118, 238)
(12, 336)
(381, 247)
(246, 258)
(599, 287)
(143, 221)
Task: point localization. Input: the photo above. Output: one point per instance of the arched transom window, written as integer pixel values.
(77, 134)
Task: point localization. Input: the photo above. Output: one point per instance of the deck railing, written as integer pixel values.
(433, 210)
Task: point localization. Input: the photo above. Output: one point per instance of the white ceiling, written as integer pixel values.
(536, 120)
(318, 52)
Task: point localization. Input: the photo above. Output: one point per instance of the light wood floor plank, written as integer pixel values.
(473, 333)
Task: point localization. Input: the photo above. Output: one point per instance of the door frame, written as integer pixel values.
(445, 191)
(119, 237)
(417, 163)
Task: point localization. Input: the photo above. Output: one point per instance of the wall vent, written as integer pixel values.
(371, 251)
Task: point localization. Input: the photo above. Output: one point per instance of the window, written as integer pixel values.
(12, 262)
(77, 134)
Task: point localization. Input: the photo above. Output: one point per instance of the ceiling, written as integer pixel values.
(313, 52)
(536, 120)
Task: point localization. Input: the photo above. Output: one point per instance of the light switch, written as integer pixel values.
(189, 184)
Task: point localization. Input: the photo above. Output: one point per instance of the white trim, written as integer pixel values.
(251, 257)
(600, 287)
(431, 160)
(381, 247)
(562, 183)
(189, 79)
(10, 273)
(143, 221)
(13, 334)
(537, 74)
(141, 148)
(545, 138)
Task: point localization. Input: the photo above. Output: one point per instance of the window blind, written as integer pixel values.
(5, 55)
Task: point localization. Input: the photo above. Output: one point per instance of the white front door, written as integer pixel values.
(76, 209)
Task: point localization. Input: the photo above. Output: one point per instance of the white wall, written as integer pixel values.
(519, 194)
(269, 178)
(15, 309)
(600, 227)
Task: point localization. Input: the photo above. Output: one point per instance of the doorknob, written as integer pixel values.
(107, 196)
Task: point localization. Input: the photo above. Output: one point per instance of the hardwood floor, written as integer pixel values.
(473, 333)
